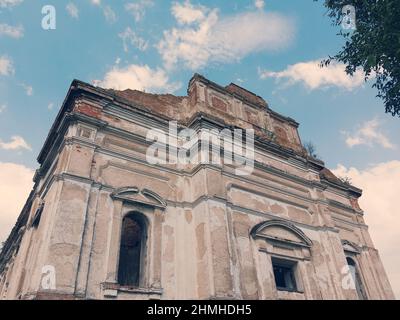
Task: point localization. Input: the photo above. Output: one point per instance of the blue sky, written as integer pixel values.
(87, 47)
(269, 47)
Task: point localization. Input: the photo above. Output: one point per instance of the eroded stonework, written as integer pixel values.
(290, 230)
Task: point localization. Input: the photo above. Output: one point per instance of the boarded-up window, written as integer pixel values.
(132, 250)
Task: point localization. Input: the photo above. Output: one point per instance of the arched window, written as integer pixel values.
(132, 250)
(37, 216)
(356, 278)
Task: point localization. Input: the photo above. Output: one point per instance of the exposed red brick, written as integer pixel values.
(354, 204)
(281, 136)
(88, 110)
(251, 117)
(219, 104)
(193, 96)
(328, 175)
(249, 96)
(54, 296)
(166, 104)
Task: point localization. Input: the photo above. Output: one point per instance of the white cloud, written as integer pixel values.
(130, 37)
(3, 108)
(11, 31)
(50, 106)
(381, 185)
(139, 77)
(138, 9)
(259, 4)
(6, 66)
(109, 14)
(202, 37)
(16, 143)
(9, 3)
(187, 13)
(369, 134)
(314, 77)
(15, 185)
(28, 89)
(72, 10)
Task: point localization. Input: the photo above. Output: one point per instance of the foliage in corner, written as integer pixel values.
(374, 45)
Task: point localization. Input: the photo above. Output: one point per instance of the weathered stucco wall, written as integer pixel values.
(206, 238)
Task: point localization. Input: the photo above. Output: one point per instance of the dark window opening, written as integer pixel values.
(131, 251)
(37, 216)
(356, 278)
(284, 273)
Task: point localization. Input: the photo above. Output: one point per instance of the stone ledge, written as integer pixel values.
(111, 290)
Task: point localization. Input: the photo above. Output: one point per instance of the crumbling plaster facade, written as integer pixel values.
(211, 234)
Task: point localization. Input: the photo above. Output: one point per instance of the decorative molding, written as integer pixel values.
(340, 205)
(279, 255)
(351, 247)
(256, 232)
(135, 195)
(112, 289)
(272, 197)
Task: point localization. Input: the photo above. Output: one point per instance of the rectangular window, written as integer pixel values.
(284, 273)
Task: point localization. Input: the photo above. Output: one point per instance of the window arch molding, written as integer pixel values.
(135, 195)
(283, 255)
(350, 247)
(259, 231)
(130, 201)
(352, 254)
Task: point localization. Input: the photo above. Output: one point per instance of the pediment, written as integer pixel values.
(281, 231)
(135, 195)
(348, 246)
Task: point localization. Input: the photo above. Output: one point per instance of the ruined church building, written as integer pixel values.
(103, 223)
